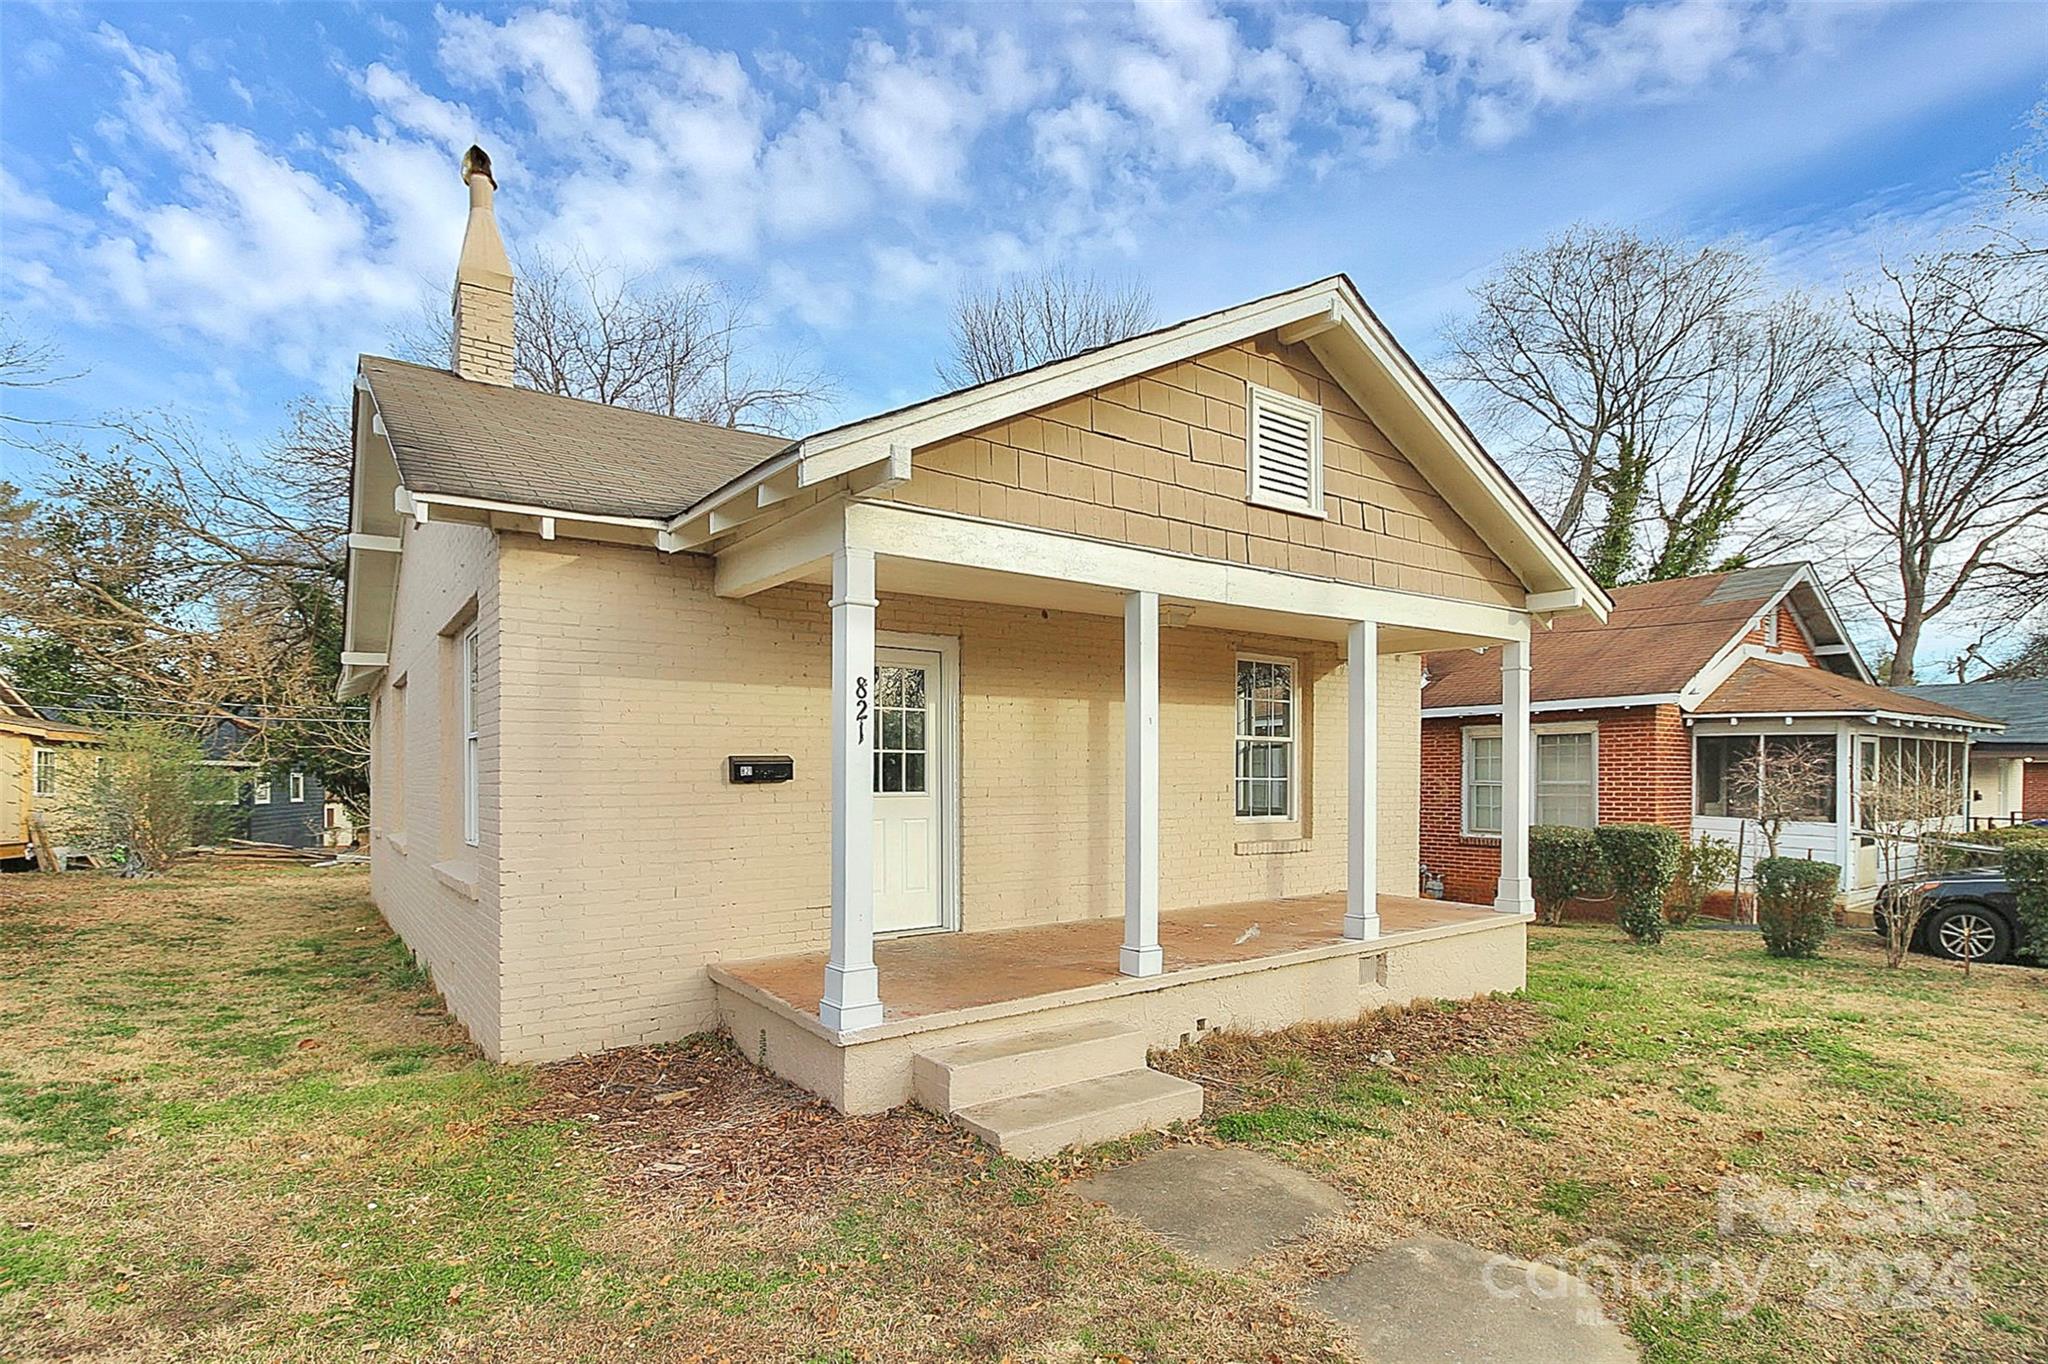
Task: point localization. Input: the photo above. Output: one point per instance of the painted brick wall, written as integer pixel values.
(1645, 775)
(438, 893)
(1791, 639)
(1159, 461)
(630, 863)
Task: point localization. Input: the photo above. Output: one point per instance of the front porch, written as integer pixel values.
(1252, 966)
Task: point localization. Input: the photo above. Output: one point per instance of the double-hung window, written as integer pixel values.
(46, 772)
(1567, 778)
(466, 700)
(1267, 733)
(298, 787)
(261, 791)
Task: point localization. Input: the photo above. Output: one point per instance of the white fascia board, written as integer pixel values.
(378, 544)
(1551, 707)
(835, 452)
(967, 542)
(1888, 716)
(561, 517)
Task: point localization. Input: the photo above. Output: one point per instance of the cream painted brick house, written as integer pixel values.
(1083, 699)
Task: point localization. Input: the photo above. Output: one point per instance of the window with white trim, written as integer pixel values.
(1267, 732)
(46, 771)
(470, 736)
(1283, 452)
(262, 791)
(1567, 778)
(298, 787)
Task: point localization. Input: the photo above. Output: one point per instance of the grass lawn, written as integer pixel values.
(235, 1125)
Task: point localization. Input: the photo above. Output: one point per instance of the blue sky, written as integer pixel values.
(215, 207)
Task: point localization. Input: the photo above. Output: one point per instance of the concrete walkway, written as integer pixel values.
(1422, 1301)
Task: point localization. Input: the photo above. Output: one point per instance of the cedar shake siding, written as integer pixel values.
(1159, 461)
(1645, 776)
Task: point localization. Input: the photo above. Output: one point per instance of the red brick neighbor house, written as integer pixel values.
(1641, 719)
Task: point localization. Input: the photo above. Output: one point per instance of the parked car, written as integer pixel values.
(1971, 910)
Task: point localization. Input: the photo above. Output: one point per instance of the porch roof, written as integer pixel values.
(1760, 687)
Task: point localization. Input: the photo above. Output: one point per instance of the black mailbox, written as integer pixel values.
(753, 769)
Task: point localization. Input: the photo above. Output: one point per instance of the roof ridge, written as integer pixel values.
(786, 441)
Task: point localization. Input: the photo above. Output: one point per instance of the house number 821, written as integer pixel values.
(860, 710)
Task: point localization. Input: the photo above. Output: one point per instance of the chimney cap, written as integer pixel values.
(477, 161)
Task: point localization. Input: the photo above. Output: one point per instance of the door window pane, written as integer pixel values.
(902, 723)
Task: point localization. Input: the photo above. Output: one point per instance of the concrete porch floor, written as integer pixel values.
(937, 973)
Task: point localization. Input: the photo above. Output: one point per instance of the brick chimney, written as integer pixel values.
(483, 284)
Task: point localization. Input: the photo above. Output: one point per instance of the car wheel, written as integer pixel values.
(1955, 929)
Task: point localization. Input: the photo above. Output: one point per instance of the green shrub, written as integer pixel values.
(2006, 835)
(1706, 864)
(1795, 904)
(1564, 862)
(1641, 860)
(2026, 869)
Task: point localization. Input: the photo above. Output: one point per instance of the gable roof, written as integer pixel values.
(461, 438)
(1760, 687)
(2021, 703)
(20, 717)
(512, 449)
(1656, 643)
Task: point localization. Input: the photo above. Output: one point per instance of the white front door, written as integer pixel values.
(910, 757)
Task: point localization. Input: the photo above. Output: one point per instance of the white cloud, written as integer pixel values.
(993, 138)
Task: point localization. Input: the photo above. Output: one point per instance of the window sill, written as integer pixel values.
(459, 877)
(397, 842)
(1489, 839)
(1258, 847)
(1290, 508)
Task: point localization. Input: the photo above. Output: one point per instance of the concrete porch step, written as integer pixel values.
(969, 1074)
(1046, 1121)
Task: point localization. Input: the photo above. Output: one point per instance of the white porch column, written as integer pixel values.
(852, 997)
(1517, 781)
(1141, 955)
(1362, 906)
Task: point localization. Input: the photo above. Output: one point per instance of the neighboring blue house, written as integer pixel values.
(2009, 771)
(276, 805)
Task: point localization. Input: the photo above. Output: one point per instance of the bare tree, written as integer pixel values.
(27, 363)
(1783, 780)
(1652, 385)
(1904, 808)
(1031, 319)
(1947, 458)
(169, 577)
(584, 331)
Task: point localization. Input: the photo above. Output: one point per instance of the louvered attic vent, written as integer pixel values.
(1284, 444)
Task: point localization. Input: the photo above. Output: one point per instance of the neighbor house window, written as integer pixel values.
(1567, 778)
(46, 771)
(1717, 766)
(262, 791)
(298, 786)
(1934, 762)
(470, 740)
(1283, 451)
(1266, 732)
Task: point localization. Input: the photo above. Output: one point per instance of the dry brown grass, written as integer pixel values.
(235, 1125)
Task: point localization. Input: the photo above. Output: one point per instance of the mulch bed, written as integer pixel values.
(695, 1122)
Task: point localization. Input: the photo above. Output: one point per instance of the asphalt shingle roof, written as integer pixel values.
(2022, 703)
(465, 439)
(1657, 639)
(1760, 687)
